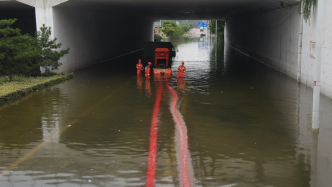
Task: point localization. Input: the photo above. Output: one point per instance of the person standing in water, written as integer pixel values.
(148, 69)
(181, 71)
(139, 67)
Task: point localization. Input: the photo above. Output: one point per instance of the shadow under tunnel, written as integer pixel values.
(25, 15)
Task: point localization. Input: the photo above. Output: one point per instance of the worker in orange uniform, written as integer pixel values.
(139, 67)
(148, 70)
(181, 71)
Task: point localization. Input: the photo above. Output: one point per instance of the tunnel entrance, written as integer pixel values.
(25, 15)
(240, 113)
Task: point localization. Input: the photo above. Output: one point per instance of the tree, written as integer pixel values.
(169, 30)
(186, 27)
(179, 31)
(17, 52)
(157, 38)
(169, 27)
(173, 24)
(173, 31)
(220, 29)
(50, 55)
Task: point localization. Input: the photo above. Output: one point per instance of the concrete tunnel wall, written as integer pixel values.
(271, 37)
(308, 50)
(96, 36)
(277, 39)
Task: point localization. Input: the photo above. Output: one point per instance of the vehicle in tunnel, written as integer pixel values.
(150, 47)
(161, 53)
(161, 62)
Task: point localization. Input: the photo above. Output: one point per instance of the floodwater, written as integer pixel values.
(247, 126)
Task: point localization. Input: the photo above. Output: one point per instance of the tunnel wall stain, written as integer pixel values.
(308, 50)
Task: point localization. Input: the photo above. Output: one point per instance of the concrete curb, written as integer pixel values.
(22, 92)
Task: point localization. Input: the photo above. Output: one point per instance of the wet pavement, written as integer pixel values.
(247, 126)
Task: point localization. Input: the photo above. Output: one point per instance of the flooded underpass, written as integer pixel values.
(247, 126)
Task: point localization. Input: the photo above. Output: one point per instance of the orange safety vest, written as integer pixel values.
(139, 66)
(182, 69)
(147, 70)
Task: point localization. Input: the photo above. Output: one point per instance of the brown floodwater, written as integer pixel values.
(247, 126)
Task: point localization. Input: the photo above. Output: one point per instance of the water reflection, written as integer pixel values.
(181, 85)
(50, 130)
(140, 83)
(54, 108)
(148, 87)
(247, 125)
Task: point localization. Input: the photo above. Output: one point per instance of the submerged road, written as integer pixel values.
(244, 123)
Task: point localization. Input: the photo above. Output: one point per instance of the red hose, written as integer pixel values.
(183, 153)
(183, 156)
(153, 141)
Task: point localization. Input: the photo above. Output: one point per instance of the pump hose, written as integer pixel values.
(183, 156)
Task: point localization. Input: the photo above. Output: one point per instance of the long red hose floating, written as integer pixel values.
(150, 178)
(183, 157)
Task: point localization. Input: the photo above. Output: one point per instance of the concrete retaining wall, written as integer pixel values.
(308, 51)
(96, 36)
(274, 38)
(269, 37)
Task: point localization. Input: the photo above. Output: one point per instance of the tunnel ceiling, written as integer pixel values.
(169, 9)
(179, 9)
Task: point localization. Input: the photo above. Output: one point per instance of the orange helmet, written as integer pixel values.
(149, 63)
(182, 62)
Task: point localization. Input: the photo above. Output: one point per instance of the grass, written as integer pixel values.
(21, 85)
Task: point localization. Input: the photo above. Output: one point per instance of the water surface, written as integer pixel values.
(248, 126)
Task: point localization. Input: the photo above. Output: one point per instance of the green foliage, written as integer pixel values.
(24, 54)
(179, 31)
(170, 29)
(220, 27)
(186, 27)
(172, 23)
(17, 52)
(23, 85)
(5, 29)
(307, 6)
(50, 55)
(157, 38)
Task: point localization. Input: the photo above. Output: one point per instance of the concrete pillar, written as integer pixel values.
(44, 12)
(317, 69)
(44, 15)
(300, 51)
